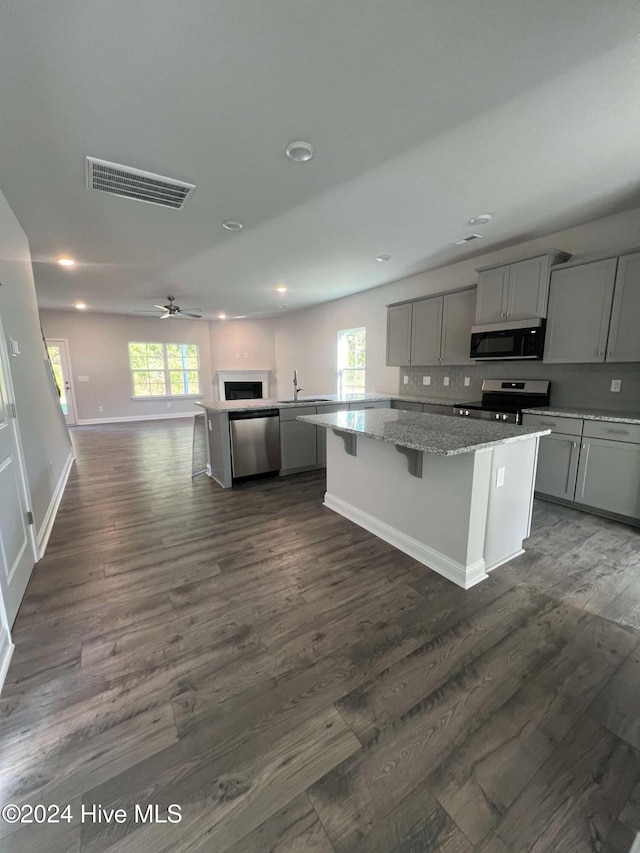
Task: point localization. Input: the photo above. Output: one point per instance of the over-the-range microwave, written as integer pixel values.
(515, 339)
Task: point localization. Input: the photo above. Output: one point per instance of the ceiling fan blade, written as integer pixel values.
(197, 310)
(145, 311)
(161, 307)
(189, 314)
(164, 316)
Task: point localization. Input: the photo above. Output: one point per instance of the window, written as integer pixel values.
(164, 370)
(351, 359)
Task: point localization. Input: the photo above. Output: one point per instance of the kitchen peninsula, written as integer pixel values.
(455, 495)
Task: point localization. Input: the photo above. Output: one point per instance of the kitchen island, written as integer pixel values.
(456, 495)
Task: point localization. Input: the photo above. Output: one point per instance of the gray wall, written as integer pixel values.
(44, 435)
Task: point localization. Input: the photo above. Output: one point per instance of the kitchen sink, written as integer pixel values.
(309, 400)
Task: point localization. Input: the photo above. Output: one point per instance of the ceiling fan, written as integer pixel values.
(173, 310)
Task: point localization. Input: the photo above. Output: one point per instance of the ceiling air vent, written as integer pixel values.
(115, 179)
(468, 239)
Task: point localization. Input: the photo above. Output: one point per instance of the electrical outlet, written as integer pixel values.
(100, 409)
(467, 381)
(616, 384)
(405, 379)
(499, 477)
(426, 380)
(445, 381)
(168, 405)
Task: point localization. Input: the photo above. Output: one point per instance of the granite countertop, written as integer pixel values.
(424, 432)
(321, 399)
(586, 413)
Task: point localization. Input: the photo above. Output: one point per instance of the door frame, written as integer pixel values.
(20, 457)
(72, 393)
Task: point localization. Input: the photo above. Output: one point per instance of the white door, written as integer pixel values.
(59, 358)
(17, 544)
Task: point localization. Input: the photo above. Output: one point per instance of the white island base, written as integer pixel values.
(449, 514)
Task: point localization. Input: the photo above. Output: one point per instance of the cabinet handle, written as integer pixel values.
(618, 431)
(503, 314)
(574, 443)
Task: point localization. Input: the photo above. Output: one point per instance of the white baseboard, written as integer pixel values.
(126, 418)
(52, 509)
(464, 576)
(6, 651)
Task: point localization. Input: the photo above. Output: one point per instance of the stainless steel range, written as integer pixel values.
(504, 399)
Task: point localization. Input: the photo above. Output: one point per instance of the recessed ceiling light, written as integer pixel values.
(281, 289)
(80, 306)
(222, 316)
(468, 239)
(66, 262)
(382, 258)
(232, 225)
(481, 218)
(299, 152)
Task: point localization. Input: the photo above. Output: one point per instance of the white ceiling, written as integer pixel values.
(422, 114)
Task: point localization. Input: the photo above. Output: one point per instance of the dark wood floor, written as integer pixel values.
(295, 684)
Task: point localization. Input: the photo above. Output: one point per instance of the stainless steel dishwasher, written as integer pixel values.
(255, 442)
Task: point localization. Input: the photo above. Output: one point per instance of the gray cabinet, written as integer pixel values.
(458, 312)
(558, 465)
(580, 301)
(399, 335)
(406, 405)
(558, 455)
(298, 441)
(624, 334)
(426, 331)
(609, 476)
(434, 330)
(369, 404)
(515, 291)
(321, 432)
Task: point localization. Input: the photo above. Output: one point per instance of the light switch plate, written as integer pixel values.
(499, 477)
(14, 346)
(616, 384)
(426, 380)
(446, 380)
(405, 379)
(467, 381)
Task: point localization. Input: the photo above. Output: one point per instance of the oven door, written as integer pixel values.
(499, 341)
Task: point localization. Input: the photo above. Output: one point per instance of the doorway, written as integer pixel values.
(61, 366)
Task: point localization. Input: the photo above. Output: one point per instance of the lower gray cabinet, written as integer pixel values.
(406, 405)
(558, 465)
(297, 439)
(321, 432)
(370, 404)
(609, 476)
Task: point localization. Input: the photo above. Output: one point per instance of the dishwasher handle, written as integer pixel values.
(254, 413)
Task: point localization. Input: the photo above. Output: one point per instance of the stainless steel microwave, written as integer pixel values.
(516, 339)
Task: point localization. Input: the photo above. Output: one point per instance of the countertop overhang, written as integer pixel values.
(589, 414)
(424, 432)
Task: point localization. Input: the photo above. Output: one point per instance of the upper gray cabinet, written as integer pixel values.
(517, 291)
(399, 334)
(435, 330)
(624, 337)
(593, 312)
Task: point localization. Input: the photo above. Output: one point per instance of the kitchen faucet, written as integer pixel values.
(296, 390)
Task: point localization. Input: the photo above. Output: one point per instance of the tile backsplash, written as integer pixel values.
(571, 384)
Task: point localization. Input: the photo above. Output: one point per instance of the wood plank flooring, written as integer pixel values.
(295, 684)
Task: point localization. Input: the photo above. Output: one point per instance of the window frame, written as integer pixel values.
(166, 370)
(342, 334)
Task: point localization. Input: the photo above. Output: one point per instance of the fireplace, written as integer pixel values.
(242, 384)
(242, 390)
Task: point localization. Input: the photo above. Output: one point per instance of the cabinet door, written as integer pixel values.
(609, 476)
(426, 328)
(458, 313)
(528, 289)
(492, 293)
(399, 335)
(558, 465)
(579, 309)
(297, 445)
(624, 332)
(321, 432)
